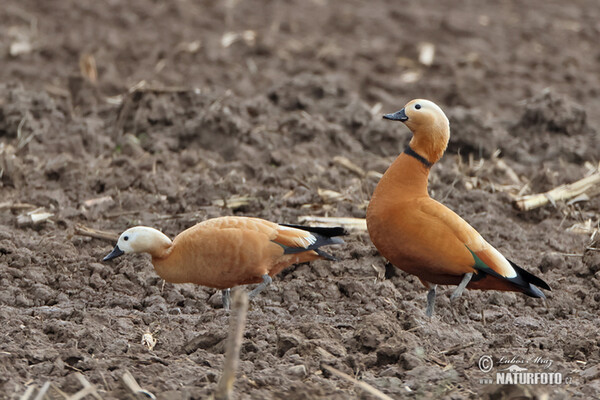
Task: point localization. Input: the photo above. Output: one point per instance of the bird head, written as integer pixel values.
(429, 125)
(140, 239)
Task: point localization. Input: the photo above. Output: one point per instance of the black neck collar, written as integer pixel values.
(408, 150)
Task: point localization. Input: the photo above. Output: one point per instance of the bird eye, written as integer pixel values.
(418, 106)
(126, 238)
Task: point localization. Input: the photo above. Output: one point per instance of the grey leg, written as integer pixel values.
(461, 286)
(430, 301)
(226, 296)
(266, 282)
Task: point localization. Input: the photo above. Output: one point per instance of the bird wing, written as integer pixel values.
(485, 256)
(233, 251)
(282, 235)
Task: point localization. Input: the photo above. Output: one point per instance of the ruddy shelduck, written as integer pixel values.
(228, 251)
(422, 236)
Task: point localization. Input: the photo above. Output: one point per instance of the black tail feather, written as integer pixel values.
(325, 236)
(533, 291)
(524, 280)
(529, 277)
(321, 230)
(325, 255)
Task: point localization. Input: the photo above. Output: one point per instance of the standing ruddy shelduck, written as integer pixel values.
(425, 238)
(229, 251)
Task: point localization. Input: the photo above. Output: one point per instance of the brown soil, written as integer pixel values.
(264, 117)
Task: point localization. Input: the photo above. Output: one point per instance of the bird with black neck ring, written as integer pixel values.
(422, 236)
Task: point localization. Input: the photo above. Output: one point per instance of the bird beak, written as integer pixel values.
(114, 254)
(397, 116)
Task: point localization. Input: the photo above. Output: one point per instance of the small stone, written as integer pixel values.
(216, 300)
(324, 354)
(410, 361)
(591, 373)
(298, 370)
(526, 322)
(204, 341)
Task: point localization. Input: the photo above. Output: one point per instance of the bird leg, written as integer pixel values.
(461, 286)
(266, 282)
(430, 301)
(226, 296)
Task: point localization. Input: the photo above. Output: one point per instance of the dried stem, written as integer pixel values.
(88, 388)
(349, 165)
(454, 349)
(363, 385)
(589, 186)
(94, 233)
(16, 206)
(131, 384)
(237, 325)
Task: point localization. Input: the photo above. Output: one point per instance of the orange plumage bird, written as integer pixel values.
(422, 236)
(229, 251)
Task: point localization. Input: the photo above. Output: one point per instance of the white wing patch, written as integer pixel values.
(507, 270)
(301, 241)
(478, 244)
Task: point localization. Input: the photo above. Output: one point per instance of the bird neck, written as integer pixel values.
(431, 144)
(156, 243)
(409, 151)
(160, 252)
(169, 265)
(407, 177)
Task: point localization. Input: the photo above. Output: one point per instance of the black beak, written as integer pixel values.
(397, 116)
(114, 254)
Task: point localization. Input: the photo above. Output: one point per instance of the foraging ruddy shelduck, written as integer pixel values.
(422, 236)
(229, 251)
